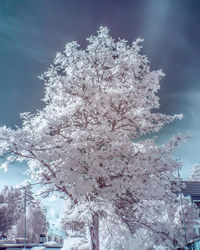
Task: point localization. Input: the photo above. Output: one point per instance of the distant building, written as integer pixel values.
(192, 189)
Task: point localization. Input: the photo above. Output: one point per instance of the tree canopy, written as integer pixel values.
(11, 207)
(86, 142)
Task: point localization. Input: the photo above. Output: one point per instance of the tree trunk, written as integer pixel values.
(94, 231)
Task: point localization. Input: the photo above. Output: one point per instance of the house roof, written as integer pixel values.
(192, 188)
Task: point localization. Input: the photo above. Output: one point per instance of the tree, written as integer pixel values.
(195, 173)
(10, 208)
(36, 222)
(70, 225)
(86, 142)
(158, 225)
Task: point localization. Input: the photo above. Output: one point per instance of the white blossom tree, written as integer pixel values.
(158, 225)
(70, 225)
(11, 207)
(36, 222)
(195, 173)
(85, 143)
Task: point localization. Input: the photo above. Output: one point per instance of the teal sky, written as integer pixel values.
(32, 31)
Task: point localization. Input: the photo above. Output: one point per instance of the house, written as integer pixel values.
(192, 189)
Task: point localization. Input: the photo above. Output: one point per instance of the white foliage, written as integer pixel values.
(10, 208)
(36, 222)
(195, 173)
(85, 143)
(75, 244)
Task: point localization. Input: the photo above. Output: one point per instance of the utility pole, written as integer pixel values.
(25, 205)
(24, 217)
